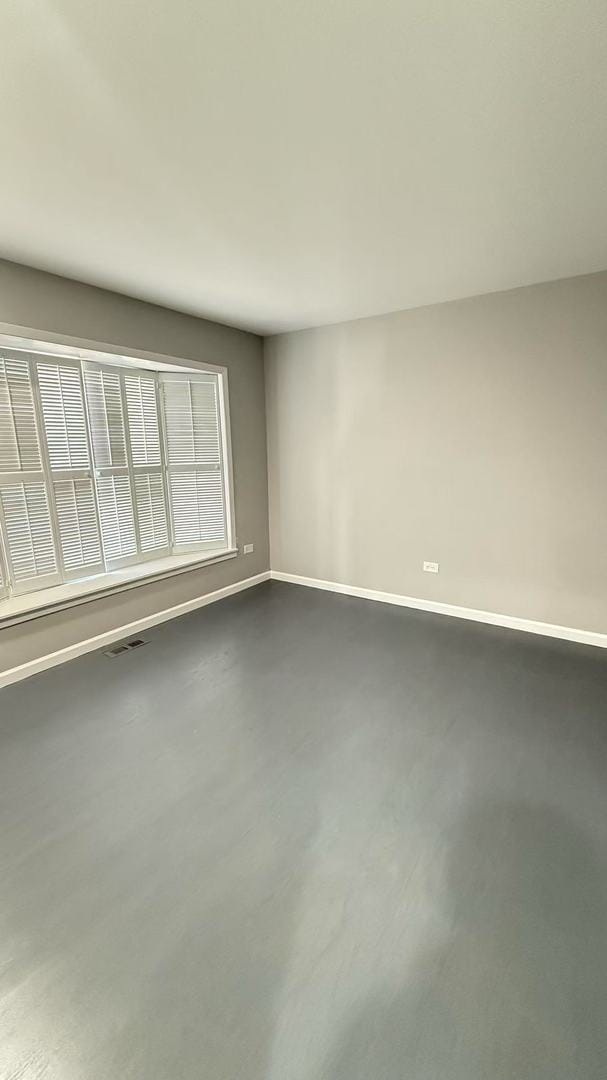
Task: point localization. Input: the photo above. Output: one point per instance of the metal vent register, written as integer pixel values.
(125, 646)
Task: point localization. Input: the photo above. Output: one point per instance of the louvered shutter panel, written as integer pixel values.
(104, 401)
(151, 511)
(105, 405)
(63, 416)
(116, 513)
(192, 422)
(28, 534)
(29, 548)
(196, 484)
(146, 456)
(198, 510)
(142, 412)
(65, 429)
(19, 448)
(77, 520)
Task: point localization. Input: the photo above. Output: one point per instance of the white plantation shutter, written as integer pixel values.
(28, 534)
(103, 465)
(117, 519)
(198, 509)
(25, 515)
(146, 457)
(78, 526)
(63, 416)
(77, 520)
(125, 435)
(105, 404)
(192, 421)
(69, 467)
(142, 411)
(104, 401)
(151, 511)
(194, 460)
(19, 448)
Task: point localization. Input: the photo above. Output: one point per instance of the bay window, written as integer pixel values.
(107, 465)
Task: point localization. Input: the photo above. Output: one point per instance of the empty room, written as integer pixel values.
(303, 540)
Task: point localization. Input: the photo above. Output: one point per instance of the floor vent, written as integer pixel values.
(125, 646)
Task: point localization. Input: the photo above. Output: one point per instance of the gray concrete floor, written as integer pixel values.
(301, 836)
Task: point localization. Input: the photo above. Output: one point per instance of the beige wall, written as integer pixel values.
(44, 302)
(472, 433)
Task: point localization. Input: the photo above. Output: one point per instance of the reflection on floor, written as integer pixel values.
(301, 836)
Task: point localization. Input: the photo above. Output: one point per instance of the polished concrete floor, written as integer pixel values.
(300, 836)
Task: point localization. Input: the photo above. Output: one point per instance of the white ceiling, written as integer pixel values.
(284, 163)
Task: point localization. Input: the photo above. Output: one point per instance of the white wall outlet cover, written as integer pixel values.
(248, 549)
(431, 567)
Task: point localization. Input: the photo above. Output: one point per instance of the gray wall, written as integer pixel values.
(472, 433)
(41, 301)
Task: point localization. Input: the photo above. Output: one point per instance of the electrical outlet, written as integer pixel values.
(248, 549)
(431, 567)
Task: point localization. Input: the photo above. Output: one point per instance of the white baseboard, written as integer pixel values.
(513, 622)
(41, 663)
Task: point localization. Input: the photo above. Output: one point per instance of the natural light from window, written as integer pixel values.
(107, 469)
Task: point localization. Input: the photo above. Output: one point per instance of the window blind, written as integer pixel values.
(28, 533)
(25, 514)
(19, 449)
(194, 461)
(113, 482)
(63, 416)
(117, 520)
(125, 435)
(141, 398)
(142, 409)
(151, 512)
(69, 467)
(102, 466)
(104, 401)
(78, 525)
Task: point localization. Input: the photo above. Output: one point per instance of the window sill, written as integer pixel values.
(33, 605)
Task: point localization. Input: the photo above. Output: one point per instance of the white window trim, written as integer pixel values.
(27, 606)
(19, 608)
(22, 338)
(3, 571)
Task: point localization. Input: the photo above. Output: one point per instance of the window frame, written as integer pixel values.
(4, 593)
(35, 345)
